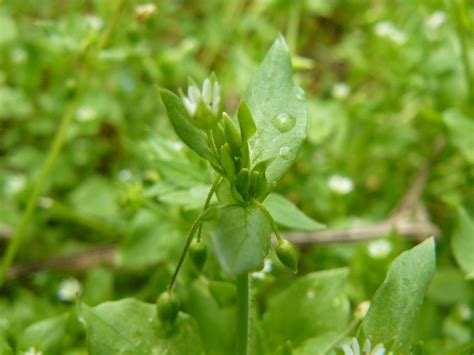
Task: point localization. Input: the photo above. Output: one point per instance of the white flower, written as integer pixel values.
(340, 184)
(465, 312)
(436, 19)
(86, 114)
(267, 268)
(19, 55)
(354, 348)
(210, 96)
(94, 22)
(69, 290)
(340, 90)
(145, 11)
(386, 29)
(379, 249)
(32, 351)
(15, 184)
(125, 175)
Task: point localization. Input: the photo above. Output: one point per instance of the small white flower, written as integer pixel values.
(15, 184)
(340, 90)
(267, 268)
(436, 19)
(95, 23)
(145, 11)
(18, 55)
(341, 185)
(354, 348)
(210, 96)
(69, 290)
(86, 114)
(46, 202)
(386, 29)
(32, 351)
(177, 145)
(379, 249)
(125, 175)
(465, 312)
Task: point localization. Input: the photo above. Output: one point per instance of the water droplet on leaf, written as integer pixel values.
(285, 153)
(284, 122)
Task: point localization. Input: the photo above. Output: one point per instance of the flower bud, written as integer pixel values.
(204, 106)
(198, 254)
(167, 307)
(287, 254)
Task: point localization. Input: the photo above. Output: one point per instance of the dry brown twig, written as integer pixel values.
(406, 220)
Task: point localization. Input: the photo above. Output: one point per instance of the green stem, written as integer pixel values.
(243, 315)
(196, 224)
(293, 25)
(269, 218)
(458, 10)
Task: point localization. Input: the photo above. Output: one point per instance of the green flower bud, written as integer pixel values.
(167, 307)
(287, 254)
(198, 254)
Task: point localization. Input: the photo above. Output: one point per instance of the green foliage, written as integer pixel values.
(396, 302)
(462, 243)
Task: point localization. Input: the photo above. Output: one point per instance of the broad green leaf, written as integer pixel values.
(396, 302)
(189, 134)
(242, 238)
(320, 345)
(460, 130)
(313, 305)
(151, 239)
(129, 326)
(45, 336)
(286, 214)
(279, 111)
(462, 243)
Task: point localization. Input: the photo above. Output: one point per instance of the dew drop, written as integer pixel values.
(285, 153)
(284, 122)
(300, 95)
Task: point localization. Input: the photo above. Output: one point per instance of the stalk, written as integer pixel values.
(243, 314)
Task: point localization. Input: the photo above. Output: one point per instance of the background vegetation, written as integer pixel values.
(390, 91)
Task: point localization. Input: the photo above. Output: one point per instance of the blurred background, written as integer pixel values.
(390, 92)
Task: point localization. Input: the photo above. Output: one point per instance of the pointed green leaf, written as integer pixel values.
(462, 243)
(129, 326)
(46, 336)
(189, 134)
(286, 214)
(242, 238)
(396, 302)
(279, 112)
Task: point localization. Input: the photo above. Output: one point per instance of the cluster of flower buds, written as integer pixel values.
(204, 106)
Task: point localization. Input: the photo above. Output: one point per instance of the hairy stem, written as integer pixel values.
(55, 149)
(243, 314)
(269, 218)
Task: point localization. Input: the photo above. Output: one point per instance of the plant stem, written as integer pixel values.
(270, 219)
(243, 315)
(196, 224)
(293, 25)
(55, 149)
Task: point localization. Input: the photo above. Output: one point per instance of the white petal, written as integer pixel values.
(216, 93)
(355, 346)
(347, 350)
(190, 106)
(367, 346)
(194, 94)
(215, 105)
(207, 91)
(378, 350)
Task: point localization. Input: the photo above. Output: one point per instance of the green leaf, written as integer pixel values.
(319, 345)
(189, 134)
(45, 336)
(286, 214)
(462, 243)
(279, 112)
(129, 326)
(242, 238)
(312, 305)
(396, 302)
(460, 130)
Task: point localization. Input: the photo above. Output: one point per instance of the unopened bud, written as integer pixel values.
(167, 307)
(198, 254)
(287, 254)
